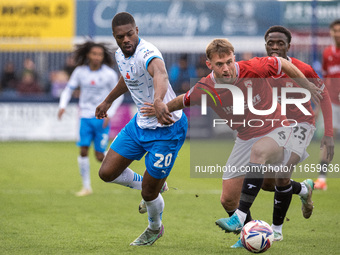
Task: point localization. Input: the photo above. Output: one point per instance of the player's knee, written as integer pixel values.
(259, 153)
(228, 203)
(268, 186)
(105, 175)
(148, 195)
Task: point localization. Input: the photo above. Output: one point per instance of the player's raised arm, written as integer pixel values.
(157, 70)
(101, 110)
(326, 108)
(293, 72)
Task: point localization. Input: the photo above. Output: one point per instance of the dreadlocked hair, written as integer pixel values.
(80, 54)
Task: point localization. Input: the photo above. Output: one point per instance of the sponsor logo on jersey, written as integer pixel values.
(289, 84)
(133, 83)
(248, 84)
(147, 53)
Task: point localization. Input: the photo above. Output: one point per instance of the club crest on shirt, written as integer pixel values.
(248, 84)
(133, 68)
(289, 84)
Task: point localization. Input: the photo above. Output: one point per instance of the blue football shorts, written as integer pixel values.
(92, 130)
(161, 145)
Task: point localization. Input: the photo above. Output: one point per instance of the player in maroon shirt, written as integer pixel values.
(331, 74)
(278, 40)
(259, 141)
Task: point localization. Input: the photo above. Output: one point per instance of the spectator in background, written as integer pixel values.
(70, 65)
(59, 81)
(331, 75)
(29, 67)
(8, 78)
(180, 74)
(28, 85)
(201, 67)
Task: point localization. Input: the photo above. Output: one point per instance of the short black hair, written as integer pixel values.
(335, 22)
(123, 18)
(279, 29)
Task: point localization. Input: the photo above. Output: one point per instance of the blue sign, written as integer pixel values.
(162, 18)
(180, 18)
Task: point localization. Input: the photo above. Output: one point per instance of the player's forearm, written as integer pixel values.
(176, 103)
(326, 108)
(161, 86)
(293, 72)
(65, 97)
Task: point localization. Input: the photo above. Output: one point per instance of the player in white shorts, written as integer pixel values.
(277, 44)
(265, 146)
(240, 155)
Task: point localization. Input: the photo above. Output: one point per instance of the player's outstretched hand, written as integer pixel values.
(101, 110)
(60, 113)
(162, 113)
(148, 110)
(328, 142)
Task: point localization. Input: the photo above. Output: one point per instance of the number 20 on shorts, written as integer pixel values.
(166, 160)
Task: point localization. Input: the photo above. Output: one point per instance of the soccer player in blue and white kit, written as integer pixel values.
(96, 79)
(143, 73)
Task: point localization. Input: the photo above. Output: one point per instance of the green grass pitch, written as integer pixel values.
(39, 213)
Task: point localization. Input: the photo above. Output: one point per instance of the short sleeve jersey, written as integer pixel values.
(140, 82)
(94, 87)
(252, 73)
(331, 72)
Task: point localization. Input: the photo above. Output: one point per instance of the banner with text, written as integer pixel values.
(36, 25)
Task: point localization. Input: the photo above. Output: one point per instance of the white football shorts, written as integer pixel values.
(240, 155)
(301, 138)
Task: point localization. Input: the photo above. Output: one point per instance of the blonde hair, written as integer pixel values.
(219, 46)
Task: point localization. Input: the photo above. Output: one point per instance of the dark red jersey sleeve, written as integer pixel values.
(325, 102)
(266, 66)
(326, 108)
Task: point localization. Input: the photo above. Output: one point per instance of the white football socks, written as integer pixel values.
(276, 228)
(241, 215)
(304, 189)
(84, 169)
(129, 178)
(155, 210)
